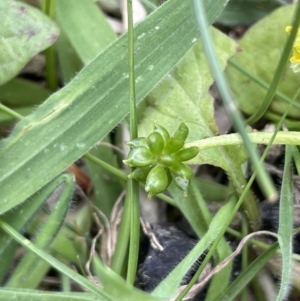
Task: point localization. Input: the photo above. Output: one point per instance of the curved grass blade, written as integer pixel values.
(85, 25)
(35, 295)
(246, 276)
(55, 263)
(31, 269)
(285, 231)
(124, 291)
(19, 219)
(195, 210)
(169, 285)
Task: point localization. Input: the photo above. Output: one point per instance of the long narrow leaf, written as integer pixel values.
(72, 120)
(116, 286)
(35, 295)
(285, 231)
(55, 263)
(19, 219)
(169, 285)
(245, 277)
(85, 25)
(31, 269)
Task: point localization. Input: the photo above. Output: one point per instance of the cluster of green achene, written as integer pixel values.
(158, 159)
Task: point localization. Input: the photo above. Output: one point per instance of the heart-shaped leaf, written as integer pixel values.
(184, 95)
(262, 46)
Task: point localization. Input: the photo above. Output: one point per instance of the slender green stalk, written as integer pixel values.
(244, 253)
(296, 156)
(48, 7)
(285, 231)
(133, 185)
(282, 137)
(246, 276)
(10, 112)
(113, 170)
(264, 179)
(66, 283)
(258, 243)
(121, 250)
(149, 4)
(260, 82)
(279, 70)
(289, 123)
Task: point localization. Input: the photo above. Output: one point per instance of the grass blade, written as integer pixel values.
(285, 231)
(245, 277)
(85, 25)
(30, 269)
(55, 263)
(51, 134)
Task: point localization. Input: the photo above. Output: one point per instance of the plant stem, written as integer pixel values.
(10, 112)
(48, 7)
(133, 185)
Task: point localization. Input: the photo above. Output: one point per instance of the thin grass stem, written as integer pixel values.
(133, 186)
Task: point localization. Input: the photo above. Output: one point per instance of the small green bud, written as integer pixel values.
(141, 141)
(140, 173)
(176, 142)
(157, 180)
(181, 183)
(166, 160)
(156, 143)
(186, 154)
(169, 176)
(182, 170)
(138, 157)
(164, 133)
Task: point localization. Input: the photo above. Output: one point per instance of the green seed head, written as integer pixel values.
(156, 143)
(157, 180)
(177, 141)
(181, 170)
(186, 154)
(181, 183)
(140, 173)
(139, 157)
(163, 132)
(138, 142)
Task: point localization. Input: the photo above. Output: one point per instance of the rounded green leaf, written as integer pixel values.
(262, 47)
(140, 156)
(156, 143)
(157, 180)
(25, 31)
